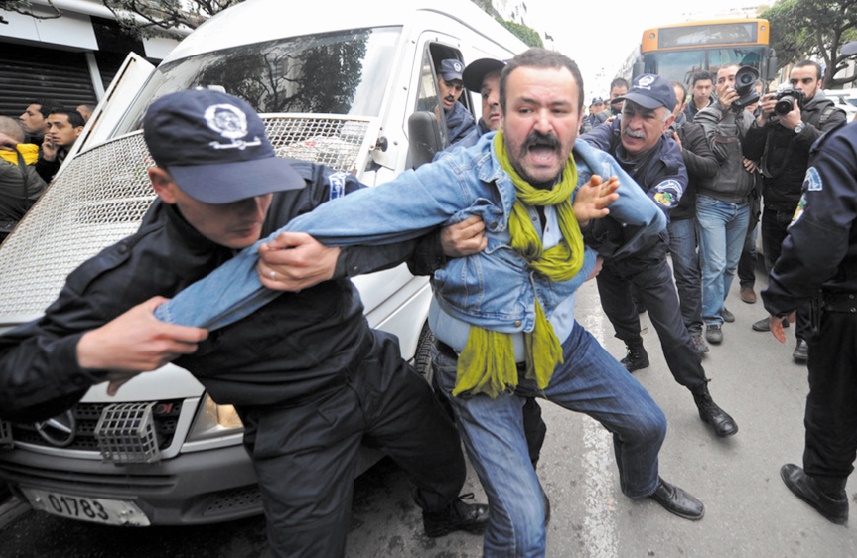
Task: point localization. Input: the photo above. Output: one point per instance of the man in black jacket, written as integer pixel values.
(310, 380)
(781, 141)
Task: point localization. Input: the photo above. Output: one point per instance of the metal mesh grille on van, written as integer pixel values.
(102, 194)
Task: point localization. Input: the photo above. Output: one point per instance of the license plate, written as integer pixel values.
(99, 510)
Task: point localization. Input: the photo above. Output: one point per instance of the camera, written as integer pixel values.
(745, 81)
(786, 99)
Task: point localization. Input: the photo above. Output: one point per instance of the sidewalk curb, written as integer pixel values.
(12, 509)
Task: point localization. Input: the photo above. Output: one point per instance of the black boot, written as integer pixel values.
(457, 516)
(636, 358)
(832, 503)
(710, 413)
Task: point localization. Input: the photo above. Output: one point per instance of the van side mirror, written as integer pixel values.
(424, 139)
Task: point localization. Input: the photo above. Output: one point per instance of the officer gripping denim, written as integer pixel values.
(518, 288)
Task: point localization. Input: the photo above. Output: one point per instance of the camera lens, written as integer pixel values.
(785, 105)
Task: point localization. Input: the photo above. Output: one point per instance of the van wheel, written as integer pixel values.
(422, 358)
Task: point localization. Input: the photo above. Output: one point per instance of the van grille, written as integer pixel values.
(102, 194)
(86, 417)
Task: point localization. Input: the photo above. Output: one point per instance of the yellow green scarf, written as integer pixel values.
(487, 364)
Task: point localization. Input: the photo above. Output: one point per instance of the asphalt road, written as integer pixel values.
(749, 512)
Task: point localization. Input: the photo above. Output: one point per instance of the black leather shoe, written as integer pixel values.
(457, 516)
(801, 353)
(677, 501)
(636, 359)
(711, 413)
(834, 508)
(765, 325)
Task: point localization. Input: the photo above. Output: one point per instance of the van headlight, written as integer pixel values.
(213, 421)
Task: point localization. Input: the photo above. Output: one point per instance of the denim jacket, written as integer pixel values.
(494, 289)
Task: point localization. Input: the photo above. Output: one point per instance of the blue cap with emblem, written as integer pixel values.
(650, 91)
(214, 147)
(451, 69)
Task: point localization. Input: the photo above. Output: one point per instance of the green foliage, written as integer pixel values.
(802, 28)
(529, 36)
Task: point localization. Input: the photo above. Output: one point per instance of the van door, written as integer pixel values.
(124, 88)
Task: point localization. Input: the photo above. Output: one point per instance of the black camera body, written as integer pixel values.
(745, 81)
(786, 99)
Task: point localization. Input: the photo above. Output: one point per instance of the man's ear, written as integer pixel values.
(163, 184)
(670, 119)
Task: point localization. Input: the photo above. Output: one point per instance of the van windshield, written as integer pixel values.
(339, 73)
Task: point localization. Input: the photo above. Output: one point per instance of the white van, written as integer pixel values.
(338, 88)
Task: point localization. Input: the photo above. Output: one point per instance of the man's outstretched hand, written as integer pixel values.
(593, 198)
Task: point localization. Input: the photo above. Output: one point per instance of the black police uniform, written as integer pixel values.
(646, 269)
(818, 263)
(307, 375)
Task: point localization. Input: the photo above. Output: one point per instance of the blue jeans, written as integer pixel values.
(722, 229)
(688, 280)
(590, 381)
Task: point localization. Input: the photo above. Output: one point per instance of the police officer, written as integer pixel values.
(818, 264)
(308, 377)
(654, 161)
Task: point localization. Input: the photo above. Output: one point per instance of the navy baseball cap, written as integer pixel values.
(597, 101)
(214, 147)
(476, 71)
(451, 69)
(650, 91)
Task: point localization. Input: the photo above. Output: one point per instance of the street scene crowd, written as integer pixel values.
(657, 192)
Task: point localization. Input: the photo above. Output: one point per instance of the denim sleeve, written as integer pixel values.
(395, 212)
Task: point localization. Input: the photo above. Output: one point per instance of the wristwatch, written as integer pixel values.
(799, 127)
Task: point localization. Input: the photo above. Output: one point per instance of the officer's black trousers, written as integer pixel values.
(305, 455)
(652, 280)
(830, 418)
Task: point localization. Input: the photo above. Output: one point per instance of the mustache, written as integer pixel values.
(537, 139)
(635, 134)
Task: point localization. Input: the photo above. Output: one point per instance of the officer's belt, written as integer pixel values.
(839, 302)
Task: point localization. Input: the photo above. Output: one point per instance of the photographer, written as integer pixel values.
(723, 204)
(788, 124)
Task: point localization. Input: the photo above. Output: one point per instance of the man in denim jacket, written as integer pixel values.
(506, 314)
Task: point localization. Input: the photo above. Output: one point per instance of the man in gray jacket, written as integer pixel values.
(722, 206)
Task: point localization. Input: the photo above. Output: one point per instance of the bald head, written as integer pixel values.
(11, 128)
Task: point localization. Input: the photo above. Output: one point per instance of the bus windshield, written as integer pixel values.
(682, 65)
(679, 51)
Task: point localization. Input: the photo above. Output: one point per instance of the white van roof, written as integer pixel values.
(256, 21)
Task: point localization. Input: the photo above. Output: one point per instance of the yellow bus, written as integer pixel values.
(678, 51)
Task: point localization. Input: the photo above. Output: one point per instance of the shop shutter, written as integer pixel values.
(28, 72)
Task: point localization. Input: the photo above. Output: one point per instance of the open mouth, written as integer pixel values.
(542, 149)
